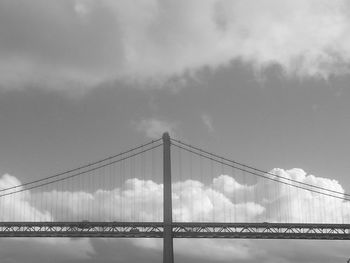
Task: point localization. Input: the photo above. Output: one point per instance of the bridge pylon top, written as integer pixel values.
(166, 136)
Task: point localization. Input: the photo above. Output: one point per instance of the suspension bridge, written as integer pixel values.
(169, 189)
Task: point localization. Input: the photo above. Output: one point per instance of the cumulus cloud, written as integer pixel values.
(20, 207)
(305, 206)
(154, 128)
(283, 203)
(224, 199)
(85, 42)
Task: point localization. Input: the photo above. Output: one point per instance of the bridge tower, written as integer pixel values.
(168, 250)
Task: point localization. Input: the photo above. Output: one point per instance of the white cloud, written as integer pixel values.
(289, 204)
(17, 207)
(20, 207)
(83, 7)
(96, 41)
(303, 206)
(154, 128)
(223, 200)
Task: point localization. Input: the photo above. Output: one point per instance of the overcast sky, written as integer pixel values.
(262, 82)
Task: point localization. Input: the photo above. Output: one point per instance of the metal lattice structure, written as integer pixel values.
(102, 198)
(179, 230)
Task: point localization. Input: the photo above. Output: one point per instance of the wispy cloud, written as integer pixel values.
(154, 128)
(208, 122)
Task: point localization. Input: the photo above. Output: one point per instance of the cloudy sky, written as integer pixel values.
(263, 82)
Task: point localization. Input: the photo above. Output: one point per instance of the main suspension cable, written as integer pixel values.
(79, 168)
(261, 175)
(76, 174)
(259, 170)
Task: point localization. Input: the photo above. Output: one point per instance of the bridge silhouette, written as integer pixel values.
(169, 189)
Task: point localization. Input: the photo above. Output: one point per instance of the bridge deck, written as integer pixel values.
(179, 230)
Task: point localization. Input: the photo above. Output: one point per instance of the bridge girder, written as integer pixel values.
(179, 230)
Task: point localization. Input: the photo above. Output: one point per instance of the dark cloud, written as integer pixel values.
(86, 42)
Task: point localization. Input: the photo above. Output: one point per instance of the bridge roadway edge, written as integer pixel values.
(179, 230)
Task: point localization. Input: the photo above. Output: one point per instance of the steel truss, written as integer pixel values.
(179, 230)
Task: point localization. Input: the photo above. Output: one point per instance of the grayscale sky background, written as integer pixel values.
(263, 82)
